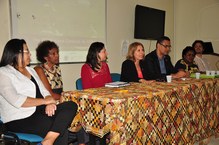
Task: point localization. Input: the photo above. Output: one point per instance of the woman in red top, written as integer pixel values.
(95, 72)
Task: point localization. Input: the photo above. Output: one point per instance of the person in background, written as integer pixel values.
(95, 73)
(132, 67)
(158, 63)
(187, 63)
(26, 105)
(202, 63)
(49, 71)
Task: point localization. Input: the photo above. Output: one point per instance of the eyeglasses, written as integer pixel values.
(26, 51)
(166, 46)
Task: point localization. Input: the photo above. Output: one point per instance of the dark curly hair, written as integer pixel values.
(187, 49)
(43, 50)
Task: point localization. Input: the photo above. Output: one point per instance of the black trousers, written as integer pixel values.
(94, 140)
(39, 123)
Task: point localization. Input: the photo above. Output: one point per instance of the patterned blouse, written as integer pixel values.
(181, 64)
(55, 79)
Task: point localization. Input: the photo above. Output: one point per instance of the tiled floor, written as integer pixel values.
(211, 141)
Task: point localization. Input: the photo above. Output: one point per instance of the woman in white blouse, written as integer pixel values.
(25, 104)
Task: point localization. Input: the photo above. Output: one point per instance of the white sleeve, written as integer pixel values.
(9, 93)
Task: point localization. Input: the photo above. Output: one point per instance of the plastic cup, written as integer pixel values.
(208, 73)
(169, 78)
(197, 75)
(212, 73)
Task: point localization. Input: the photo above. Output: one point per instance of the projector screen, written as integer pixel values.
(72, 24)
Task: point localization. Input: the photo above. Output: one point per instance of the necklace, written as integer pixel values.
(52, 70)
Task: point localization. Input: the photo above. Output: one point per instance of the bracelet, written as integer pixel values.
(57, 102)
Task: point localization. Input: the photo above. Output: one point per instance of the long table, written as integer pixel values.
(180, 112)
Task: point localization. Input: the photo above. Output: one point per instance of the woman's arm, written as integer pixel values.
(17, 99)
(48, 101)
(129, 72)
(45, 82)
(30, 102)
(85, 77)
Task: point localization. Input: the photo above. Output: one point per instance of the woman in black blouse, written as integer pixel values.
(132, 69)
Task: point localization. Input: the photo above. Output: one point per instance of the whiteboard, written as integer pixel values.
(72, 24)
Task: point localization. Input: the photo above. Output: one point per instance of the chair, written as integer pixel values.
(79, 84)
(115, 77)
(18, 138)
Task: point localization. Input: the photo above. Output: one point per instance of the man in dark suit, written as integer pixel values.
(157, 64)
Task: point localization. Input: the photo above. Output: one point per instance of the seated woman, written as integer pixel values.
(187, 62)
(26, 105)
(95, 73)
(132, 67)
(49, 71)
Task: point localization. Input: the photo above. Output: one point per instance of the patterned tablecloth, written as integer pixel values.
(181, 112)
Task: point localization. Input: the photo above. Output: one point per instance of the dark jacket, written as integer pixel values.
(129, 72)
(152, 67)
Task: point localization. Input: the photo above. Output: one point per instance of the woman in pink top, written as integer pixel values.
(95, 72)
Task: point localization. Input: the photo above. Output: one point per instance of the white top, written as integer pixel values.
(202, 63)
(14, 89)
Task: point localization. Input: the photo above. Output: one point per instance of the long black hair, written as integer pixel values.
(11, 51)
(92, 56)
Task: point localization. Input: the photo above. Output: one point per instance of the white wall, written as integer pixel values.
(120, 26)
(195, 19)
(4, 23)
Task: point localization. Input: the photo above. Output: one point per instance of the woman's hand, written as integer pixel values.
(50, 109)
(49, 100)
(145, 81)
(179, 74)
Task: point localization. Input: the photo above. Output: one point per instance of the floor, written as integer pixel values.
(210, 141)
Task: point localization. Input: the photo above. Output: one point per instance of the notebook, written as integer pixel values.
(117, 84)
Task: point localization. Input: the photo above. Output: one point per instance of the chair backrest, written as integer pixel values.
(1, 126)
(115, 77)
(79, 84)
